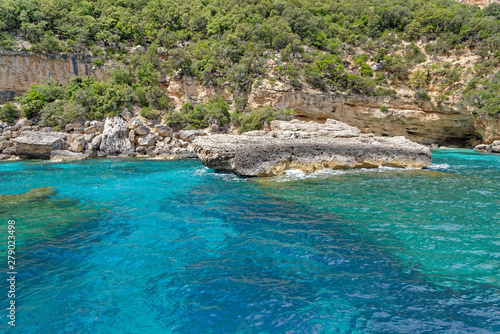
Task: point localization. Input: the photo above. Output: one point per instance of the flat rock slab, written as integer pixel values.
(39, 145)
(65, 155)
(307, 146)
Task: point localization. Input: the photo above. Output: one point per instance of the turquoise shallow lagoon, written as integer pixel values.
(143, 246)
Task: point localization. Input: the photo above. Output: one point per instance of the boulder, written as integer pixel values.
(148, 140)
(131, 136)
(96, 142)
(4, 144)
(126, 114)
(114, 140)
(91, 129)
(65, 155)
(71, 126)
(134, 123)
(142, 130)
(163, 130)
(77, 142)
(307, 146)
(377, 67)
(493, 147)
(188, 135)
(39, 144)
(10, 150)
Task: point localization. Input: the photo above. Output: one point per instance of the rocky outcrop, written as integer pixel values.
(19, 70)
(493, 147)
(114, 139)
(31, 144)
(307, 146)
(489, 128)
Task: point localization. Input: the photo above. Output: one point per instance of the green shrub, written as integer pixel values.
(149, 113)
(62, 112)
(9, 113)
(256, 118)
(98, 62)
(39, 95)
(422, 94)
(366, 71)
(214, 111)
(383, 108)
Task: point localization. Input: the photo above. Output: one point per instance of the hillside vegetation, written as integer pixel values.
(432, 49)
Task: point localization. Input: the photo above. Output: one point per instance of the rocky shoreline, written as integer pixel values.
(126, 135)
(307, 146)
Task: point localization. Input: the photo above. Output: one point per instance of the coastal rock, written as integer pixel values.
(69, 127)
(309, 147)
(126, 114)
(149, 140)
(188, 135)
(39, 144)
(65, 155)
(114, 140)
(77, 143)
(493, 147)
(96, 142)
(163, 130)
(134, 123)
(4, 144)
(142, 130)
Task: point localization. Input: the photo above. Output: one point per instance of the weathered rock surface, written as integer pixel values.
(39, 144)
(114, 140)
(65, 155)
(19, 70)
(307, 146)
(493, 147)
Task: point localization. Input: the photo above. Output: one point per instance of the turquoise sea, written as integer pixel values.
(145, 246)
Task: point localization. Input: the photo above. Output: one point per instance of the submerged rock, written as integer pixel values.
(65, 155)
(307, 146)
(39, 144)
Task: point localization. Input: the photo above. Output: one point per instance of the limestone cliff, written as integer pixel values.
(420, 121)
(19, 70)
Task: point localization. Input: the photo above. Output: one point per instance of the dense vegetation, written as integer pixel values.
(325, 44)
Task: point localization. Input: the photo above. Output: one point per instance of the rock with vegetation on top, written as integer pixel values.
(39, 145)
(307, 146)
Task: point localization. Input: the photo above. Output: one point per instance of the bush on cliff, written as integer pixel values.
(38, 96)
(214, 111)
(61, 112)
(255, 119)
(9, 113)
(150, 113)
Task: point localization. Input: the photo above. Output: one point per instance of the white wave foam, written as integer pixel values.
(439, 166)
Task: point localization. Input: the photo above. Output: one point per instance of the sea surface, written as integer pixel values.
(146, 246)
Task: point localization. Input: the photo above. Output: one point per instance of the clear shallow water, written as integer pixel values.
(131, 246)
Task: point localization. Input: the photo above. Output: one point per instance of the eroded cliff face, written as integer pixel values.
(19, 70)
(420, 121)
